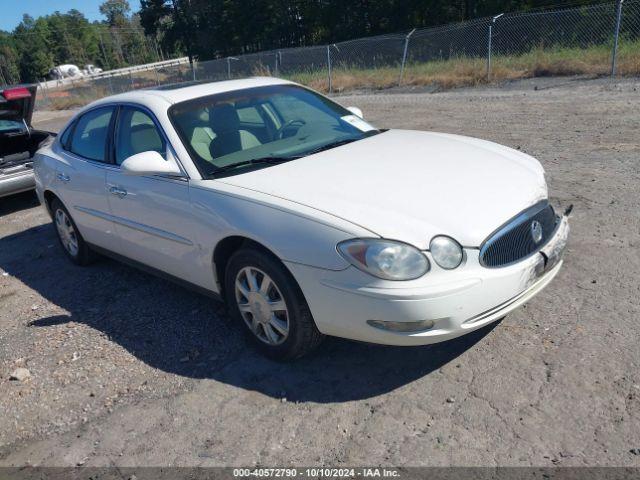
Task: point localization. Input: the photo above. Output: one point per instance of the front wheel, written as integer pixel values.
(263, 296)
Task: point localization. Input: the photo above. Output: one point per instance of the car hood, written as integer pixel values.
(17, 103)
(410, 185)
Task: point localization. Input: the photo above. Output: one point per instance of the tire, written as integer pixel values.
(73, 245)
(260, 304)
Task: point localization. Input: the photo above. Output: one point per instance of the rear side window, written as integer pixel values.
(89, 139)
(136, 133)
(64, 138)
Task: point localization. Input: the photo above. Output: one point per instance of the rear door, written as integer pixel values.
(81, 175)
(152, 213)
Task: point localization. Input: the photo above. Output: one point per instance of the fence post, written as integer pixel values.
(193, 70)
(329, 66)
(229, 65)
(275, 70)
(493, 20)
(615, 38)
(404, 55)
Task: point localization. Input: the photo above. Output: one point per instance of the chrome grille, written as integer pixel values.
(514, 240)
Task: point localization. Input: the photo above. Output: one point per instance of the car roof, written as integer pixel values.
(180, 92)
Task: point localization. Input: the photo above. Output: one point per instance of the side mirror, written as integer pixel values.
(149, 163)
(356, 111)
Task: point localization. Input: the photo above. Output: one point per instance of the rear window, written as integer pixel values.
(89, 138)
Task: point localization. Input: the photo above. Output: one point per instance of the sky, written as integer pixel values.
(11, 11)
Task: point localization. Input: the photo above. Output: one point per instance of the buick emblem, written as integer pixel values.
(536, 231)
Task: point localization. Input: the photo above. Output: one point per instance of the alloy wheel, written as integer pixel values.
(66, 232)
(262, 305)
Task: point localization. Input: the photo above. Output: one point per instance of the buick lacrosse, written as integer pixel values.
(303, 217)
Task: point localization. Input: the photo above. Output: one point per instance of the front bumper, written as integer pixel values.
(458, 301)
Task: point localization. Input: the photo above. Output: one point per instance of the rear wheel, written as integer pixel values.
(263, 296)
(72, 242)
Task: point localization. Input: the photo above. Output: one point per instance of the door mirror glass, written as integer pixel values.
(149, 163)
(356, 111)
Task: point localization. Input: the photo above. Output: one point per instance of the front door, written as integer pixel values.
(152, 213)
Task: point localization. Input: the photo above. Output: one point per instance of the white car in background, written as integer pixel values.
(90, 69)
(66, 71)
(303, 217)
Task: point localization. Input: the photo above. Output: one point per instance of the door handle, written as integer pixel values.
(119, 192)
(63, 177)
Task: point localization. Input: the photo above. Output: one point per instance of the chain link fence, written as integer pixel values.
(596, 39)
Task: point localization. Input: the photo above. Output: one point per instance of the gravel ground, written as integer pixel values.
(127, 369)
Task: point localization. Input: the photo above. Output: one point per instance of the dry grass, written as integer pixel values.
(441, 74)
(464, 71)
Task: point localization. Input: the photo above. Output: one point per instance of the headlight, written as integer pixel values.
(385, 258)
(446, 252)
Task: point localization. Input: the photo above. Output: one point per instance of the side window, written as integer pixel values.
(136, 133)
(249, 115)
(64, 138)
(89, 138)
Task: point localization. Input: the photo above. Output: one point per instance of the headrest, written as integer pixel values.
(223, 118)
(196, 118)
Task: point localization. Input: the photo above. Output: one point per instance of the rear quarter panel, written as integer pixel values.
(45, 168)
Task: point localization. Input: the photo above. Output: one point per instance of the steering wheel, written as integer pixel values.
(296, 121)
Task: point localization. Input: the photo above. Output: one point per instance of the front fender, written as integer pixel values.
(294, 236)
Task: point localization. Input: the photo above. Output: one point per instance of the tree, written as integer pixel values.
(9, 70)
(32, 37)
(153, 14)
(116, 11)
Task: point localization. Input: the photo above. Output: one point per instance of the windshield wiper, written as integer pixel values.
(331, 145)
(254, 161)
(339, 143)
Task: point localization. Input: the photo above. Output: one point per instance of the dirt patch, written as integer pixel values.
(117, 357)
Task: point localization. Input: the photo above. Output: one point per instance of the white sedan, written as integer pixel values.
(307, 220)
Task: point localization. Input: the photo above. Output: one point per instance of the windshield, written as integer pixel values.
(261, 126)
